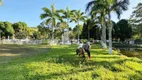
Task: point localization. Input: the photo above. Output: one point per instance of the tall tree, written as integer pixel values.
(78, 16)
(21, 28)
(118, 7)
(7, 29)
(76, 29)
(50, 16)
(60, 30)
(125, 30)
(136, 20)
(67, 16)
(115, 31)
(44, 31)
(104, 8)
(98, 7)
(90, 30)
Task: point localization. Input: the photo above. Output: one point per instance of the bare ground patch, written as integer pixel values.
(9, 52)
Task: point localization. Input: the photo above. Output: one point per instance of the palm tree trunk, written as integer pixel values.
(88, 33)
(52, 40)
(68, 29)
(110, 39)
(78, 33)
(110, 35)
(103, 37)
(63, 38)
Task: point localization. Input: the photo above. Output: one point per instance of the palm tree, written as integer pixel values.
(104, 8)
(136, 19)
(62, 26)
(78, 16)
(67, 15)
(50, 16)
(97, 7)
(94, 20)
(116, 6)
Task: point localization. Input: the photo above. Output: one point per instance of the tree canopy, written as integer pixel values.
(90, 30)
(7, 29)
(19, 30)
(136, 20)
(123, 30)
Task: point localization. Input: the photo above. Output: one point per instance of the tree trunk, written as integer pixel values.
(110, 38)
(78, 33)
(63, 38)
(88, 33)
(103, 37)
(110, 35)
(52, 40)
(68, 30)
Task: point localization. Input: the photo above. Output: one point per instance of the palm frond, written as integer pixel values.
(73, 19)
(68, 10)
(73, 11)
(82, 13)
(46, 10)
(89, 5)
(119, 6)
(53, 8)
(48, 21)
(61, 11)
(42, 16)
(54, 22)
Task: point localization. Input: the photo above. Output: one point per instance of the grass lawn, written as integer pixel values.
(36, 62)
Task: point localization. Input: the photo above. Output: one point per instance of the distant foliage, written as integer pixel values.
(20, 35)
(77, 30)
(7, 29)
(122, 30)
(36, 35)
(19, 30)
(136, 20)
(90, 30)
(44, 31)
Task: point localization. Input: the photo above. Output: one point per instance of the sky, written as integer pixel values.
(29, 10)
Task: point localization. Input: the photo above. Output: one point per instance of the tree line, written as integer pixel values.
(99, 12)
(99, 23)
(18, 30)
(57, 21)
(121, 31)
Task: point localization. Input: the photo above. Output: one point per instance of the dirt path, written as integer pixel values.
(9, 52)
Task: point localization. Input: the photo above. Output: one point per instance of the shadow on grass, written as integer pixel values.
(93, 67)
(66, 55)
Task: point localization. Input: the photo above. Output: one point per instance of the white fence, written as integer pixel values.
(20, 41)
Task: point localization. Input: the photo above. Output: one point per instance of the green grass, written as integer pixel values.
(61, 63)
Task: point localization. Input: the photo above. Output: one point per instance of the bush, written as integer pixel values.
(84, 40)
(138, 41)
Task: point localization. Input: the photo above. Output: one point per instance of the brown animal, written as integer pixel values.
(81, 51)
